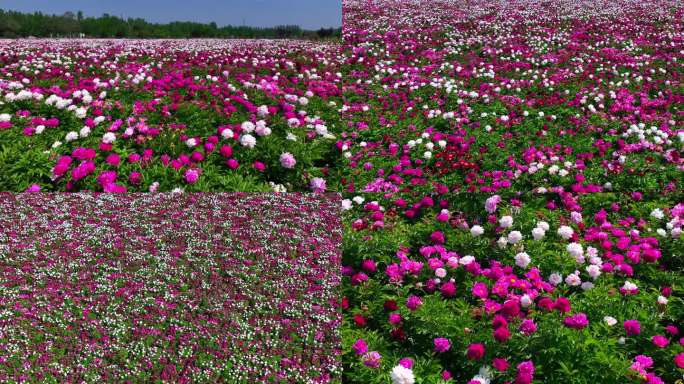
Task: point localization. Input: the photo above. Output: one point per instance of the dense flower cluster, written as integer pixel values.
(514, 191)
(205, 115)
(602, 286)
(512, 170)
(177, 288)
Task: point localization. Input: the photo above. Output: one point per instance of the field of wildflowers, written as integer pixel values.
(155, 115)
(514, 201)
(512, 172)
(544, 288)
(178, 288)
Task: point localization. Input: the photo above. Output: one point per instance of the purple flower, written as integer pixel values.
(632, 327)
(360, 347)
(413, 302)
(372, 359)
(576, 321)
(441, 344)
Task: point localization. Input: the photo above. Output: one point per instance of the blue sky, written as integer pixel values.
(310, 14)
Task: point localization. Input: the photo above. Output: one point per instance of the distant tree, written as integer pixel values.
(324, 32)
(14, 24)
(9, 25)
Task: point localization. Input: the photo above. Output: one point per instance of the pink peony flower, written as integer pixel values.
(525, 373)
(191, 175)
(287, 160)
(577, 321)
(475, 351)
(660, 341)
(360, 347)
(413, 302)
(441, 344)
(372, 359)
(632, 327)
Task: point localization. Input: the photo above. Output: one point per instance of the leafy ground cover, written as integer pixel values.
(169, 288)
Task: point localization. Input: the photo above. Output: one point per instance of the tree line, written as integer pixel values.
(18, 24)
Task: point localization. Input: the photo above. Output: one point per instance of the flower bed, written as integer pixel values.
(548, 288)
(172, 287)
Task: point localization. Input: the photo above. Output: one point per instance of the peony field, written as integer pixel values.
(452, 192)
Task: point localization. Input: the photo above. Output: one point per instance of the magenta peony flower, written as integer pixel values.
(259, 166)
(562, 305)
(660, 341)
(679, 360)
(82, 170)
(441, 344)
(632, 327)
(360, 347)
(33, 188)
(448, 289)
(232, 163)
(113, 159)
(502, 334)
(577, 321)
(528, 327)
(406, 362)
(480, 290)
(500, 364)
(525, 373)
(372, 359)
(475, 351)
(191, 175)
(394, 318)
(413, 302)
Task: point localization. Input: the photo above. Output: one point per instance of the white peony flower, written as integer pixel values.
(543, 225)
(610, 320)
(402, 375)
(514, 237)
(502, 242)
(227, 133)
(538, 233)
(85, 131)
(476, 230)
(525, 300)
(573, 279)
(555, 278)
(71, 136)
(248, 127)
(565, 232)
(108, 137)
(657, 213)
(522, 260)
(248, 141)
(505, 221)
(594, 271)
